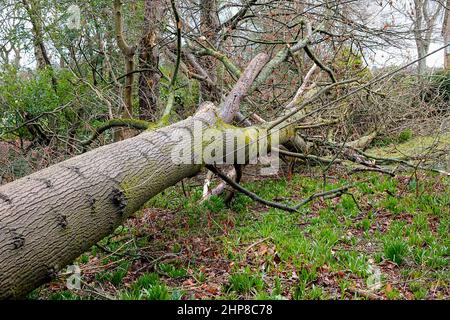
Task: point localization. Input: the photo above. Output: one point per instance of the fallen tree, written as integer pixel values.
(49, 218)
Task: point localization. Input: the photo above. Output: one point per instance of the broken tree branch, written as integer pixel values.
(114, 123)
(248, 193)
(231, 104)
(320, 64)
(326, 195)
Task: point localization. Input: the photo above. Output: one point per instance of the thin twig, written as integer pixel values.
(326, 194)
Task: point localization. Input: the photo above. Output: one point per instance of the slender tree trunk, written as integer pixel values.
(149, 61)
(128, 53)
(446, 35)
(42, 59)
(40, 52)
(209, 24)
(426, 14)
(17, 57)
(422, 50)
(128, 90)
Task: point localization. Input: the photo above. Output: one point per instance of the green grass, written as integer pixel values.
(395, 251)
(406, 143)
(172, 271)
(203, 251)
(116, 276)
(244, 282)
(147, 287)
(145, 281)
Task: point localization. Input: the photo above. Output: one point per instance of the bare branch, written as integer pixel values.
(231, 104)
(249, 193)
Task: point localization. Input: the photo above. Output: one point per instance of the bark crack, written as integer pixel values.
(18, 240)
(62, 220)
(91, 201)
(75, 169)
(119, 200)
(47, 182)
(5, 198)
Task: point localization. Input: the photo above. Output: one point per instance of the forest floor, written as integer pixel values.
(388, 239)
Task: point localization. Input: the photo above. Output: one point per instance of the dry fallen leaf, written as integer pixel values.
(388, 288)
(188, 282)
(262, 250)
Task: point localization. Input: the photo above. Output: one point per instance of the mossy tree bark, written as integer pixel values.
(49, 218)
(128, 52)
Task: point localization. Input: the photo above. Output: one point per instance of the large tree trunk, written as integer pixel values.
(49, 218)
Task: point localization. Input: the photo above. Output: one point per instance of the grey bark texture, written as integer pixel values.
(49, 218)
(426, 14)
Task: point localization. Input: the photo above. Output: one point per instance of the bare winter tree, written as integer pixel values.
(424, 17)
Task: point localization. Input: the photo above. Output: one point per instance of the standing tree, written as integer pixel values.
(149, 57)
(424, 16)
(128, 52)
(446, 35)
